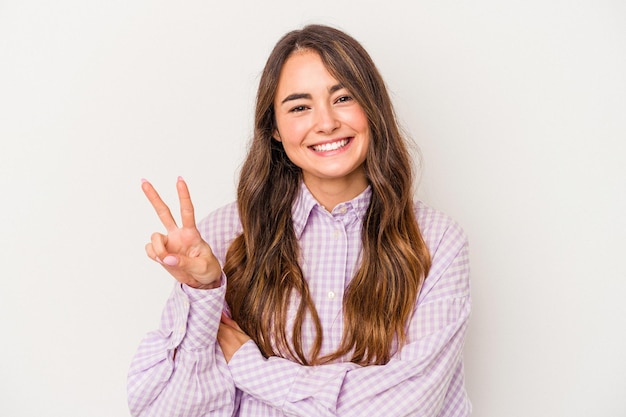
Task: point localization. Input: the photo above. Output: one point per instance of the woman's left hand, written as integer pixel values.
(230, 337)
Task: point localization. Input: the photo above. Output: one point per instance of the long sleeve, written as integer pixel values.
(179, 370)
(424, 379)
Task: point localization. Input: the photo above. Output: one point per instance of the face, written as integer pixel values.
(324, 131)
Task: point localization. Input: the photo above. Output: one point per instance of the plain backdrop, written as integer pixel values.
(518, 108)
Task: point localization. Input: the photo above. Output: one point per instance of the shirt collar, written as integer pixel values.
(305, 203)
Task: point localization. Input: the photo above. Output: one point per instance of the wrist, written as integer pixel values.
(211, 286)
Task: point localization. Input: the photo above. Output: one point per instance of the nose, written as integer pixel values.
(326, 120)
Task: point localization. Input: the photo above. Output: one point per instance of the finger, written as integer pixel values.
(162, 210)
(230, 322)
(158, 242)
(186, 206)
(168, 260)
(150, 252)
(226, 319)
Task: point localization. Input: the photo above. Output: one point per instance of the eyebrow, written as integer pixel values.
(298, 96)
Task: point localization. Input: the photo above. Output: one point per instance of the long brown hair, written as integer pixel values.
(262, 263)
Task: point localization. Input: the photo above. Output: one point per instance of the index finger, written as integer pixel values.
(186, 206)
(162, 210)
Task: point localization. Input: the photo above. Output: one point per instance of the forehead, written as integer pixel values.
(304, 69)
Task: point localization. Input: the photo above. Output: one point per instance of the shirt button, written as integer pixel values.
(331, 295)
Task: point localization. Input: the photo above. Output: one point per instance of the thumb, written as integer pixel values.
(170, 260)
(181, 262)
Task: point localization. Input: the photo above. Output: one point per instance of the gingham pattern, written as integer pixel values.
(424, 379)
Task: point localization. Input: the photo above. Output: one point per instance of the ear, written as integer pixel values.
(276, 136)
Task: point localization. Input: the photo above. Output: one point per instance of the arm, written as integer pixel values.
(179, 369)
(423, 379)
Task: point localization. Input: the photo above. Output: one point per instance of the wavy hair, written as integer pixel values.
(262, 263)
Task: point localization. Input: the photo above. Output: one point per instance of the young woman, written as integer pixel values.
(325, 290)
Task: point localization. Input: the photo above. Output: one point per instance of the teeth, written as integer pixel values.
(330, 146)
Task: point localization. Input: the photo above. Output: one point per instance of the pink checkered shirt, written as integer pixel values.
(424, 379)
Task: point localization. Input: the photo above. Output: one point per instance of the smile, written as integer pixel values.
(331, 146)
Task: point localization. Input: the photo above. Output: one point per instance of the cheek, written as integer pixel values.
(356, 118)
(361, 120)
(291, 133)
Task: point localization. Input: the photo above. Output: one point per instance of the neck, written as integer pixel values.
(329, 193)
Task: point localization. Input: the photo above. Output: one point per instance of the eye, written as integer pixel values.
(298, 109)
(343, 99)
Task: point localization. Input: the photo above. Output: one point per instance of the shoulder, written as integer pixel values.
(439, 230)
(448, 246)
(227, 215)
(220, 227)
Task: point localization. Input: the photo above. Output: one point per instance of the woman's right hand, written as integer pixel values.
(182, 251)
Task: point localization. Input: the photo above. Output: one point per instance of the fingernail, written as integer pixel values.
(170, 260)
(180, 178)
(143, 180)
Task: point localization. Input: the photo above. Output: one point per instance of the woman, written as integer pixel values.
(325, 289)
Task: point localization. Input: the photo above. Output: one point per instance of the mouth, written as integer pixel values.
(331, 146)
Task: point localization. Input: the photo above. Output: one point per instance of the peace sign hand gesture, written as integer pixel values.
(182, 251)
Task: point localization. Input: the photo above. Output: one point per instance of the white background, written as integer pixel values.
(518, 108)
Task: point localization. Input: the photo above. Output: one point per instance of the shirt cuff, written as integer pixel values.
(204, 310)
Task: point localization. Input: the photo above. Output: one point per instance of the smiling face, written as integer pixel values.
(324, 131)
